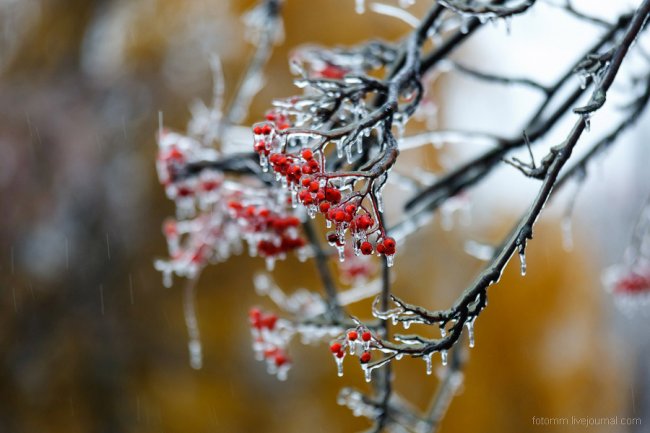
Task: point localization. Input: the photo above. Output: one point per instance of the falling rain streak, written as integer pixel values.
(101, 297)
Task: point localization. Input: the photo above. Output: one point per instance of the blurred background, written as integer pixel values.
(90, 341)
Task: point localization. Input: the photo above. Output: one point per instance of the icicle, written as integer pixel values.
(348, 153)
(270, 263)
(443, 354)
(283, 373)
(194, 343)
(368, 373)
(360, 6)
(294, 198)
(427, 360)
(339, 149)
(522, 259)
(390, 261)
(359, 145)
(339, 365)
(264, 162)
(470, 331)
(464, 29)
(167, 277)
(567, 233)
(341, 250)
(508, 21)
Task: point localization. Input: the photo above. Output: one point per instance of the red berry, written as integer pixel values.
(306, 181)
(257, 130)
(266, 129)
(389, 243)
(365, 357)
(632, 283)
(260, 146)
(254, 313)
(339, 216)
(366, 248)
(366, 336)
(307, 154)
(281, 359)
(333, 195)
(340, 354)
(352, 335)
(170, 228)
(324, 207)
(335, 347)
(269, 321)
(313, 186)
(350, 208)
(333, 238)
(381, 249)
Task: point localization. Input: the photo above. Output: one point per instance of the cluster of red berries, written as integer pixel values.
(302, 173)
(279, 233)
(263, 326)
(632, 284)
(354, 338)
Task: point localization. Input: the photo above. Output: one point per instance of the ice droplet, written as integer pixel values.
(341, 250)
(427, 360)
(192, 325)
(360, 6)
(508, 21)
(470, 331)
(368, 373)
(443, 354)
(196, 354)
(167, 278)
(339, 365)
